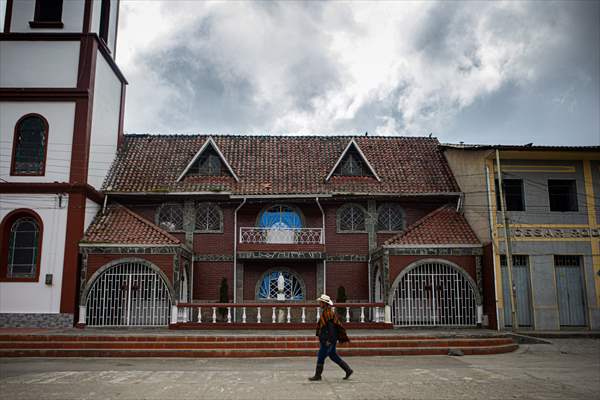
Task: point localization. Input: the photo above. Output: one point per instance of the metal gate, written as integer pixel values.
(520, 275)
(569, 285)
(434, 294)
(128, 294)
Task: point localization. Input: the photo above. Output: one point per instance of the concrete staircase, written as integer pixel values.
(241, 345)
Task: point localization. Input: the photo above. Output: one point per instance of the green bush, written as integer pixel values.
(223, 297)
(341, 298)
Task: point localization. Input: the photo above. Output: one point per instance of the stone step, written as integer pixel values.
(251, 352)
(222, 338)
(292, 344)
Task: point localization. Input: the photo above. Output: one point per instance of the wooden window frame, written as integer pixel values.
(13, 171)
(5, 229)
(45, 24)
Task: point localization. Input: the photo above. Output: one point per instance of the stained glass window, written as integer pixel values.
(292, 289)
(208, 217)
(23, 248)
(30, 146)
(390, 218)
(351, 218)
(280, 217)
(170, 217)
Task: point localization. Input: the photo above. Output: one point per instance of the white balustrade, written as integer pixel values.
(280, 313)
(281, 235)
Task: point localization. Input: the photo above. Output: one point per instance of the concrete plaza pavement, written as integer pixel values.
(561, 369)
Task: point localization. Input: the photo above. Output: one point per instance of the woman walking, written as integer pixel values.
(329, 331)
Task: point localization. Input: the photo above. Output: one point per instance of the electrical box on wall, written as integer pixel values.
(48, 279)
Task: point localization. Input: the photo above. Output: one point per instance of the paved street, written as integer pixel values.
(565, 369)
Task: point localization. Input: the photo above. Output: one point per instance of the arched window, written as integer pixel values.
(280, 217)
(390, 217)
(209, 218)
(22, 241)
(170, 217)
(30, 146)
(351, 218)
(268, 289)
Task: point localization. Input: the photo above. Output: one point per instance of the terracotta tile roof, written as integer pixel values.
(119, 225)
(281, 165)
(442, 226)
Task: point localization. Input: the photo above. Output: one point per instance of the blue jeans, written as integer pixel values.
(328, 351)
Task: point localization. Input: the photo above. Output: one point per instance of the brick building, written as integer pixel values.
(374, 215)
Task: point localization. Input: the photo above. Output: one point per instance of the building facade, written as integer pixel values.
(361, 218)
(552, 209)
(61, 109)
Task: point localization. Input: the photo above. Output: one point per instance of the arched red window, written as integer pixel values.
(21, 238)
(30, 146)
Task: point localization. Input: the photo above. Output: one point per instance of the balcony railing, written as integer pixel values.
(281, 235)
(276, 313)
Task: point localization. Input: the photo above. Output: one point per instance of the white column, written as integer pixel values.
(362, 314)
(258, 316)
(82, 314)
(387, 314)
(243, 315)
(174, 313)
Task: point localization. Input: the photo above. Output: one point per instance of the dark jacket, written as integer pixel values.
(329, 333)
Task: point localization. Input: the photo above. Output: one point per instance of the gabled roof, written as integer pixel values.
(119, 225)
(351, 144)
(444, 226)
(208, 144)
(280, 165)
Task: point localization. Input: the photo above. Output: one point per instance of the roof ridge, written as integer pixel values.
(418, 223)
(274, 136)
(148, 223)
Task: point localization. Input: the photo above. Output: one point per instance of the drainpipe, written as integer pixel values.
(323, 242)
(235, 239)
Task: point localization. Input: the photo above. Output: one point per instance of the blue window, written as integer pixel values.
(292, 288)
(280, 217)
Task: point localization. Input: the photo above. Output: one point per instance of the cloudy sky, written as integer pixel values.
(478, 72)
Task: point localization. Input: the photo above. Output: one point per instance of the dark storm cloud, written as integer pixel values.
(471, 71)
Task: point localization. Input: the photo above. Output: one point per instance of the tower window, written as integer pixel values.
(104, 20)
(21, 246)
(30, 145)
(48, 14)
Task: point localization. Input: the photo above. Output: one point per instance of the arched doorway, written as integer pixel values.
(128, 293)
(434, 293)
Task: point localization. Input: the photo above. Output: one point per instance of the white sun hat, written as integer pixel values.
(325, 299)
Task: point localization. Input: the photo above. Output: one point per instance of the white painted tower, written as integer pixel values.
(61, 120)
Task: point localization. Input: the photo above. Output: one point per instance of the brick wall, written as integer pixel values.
(489, 292)
(207, 279)
(354, 277)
